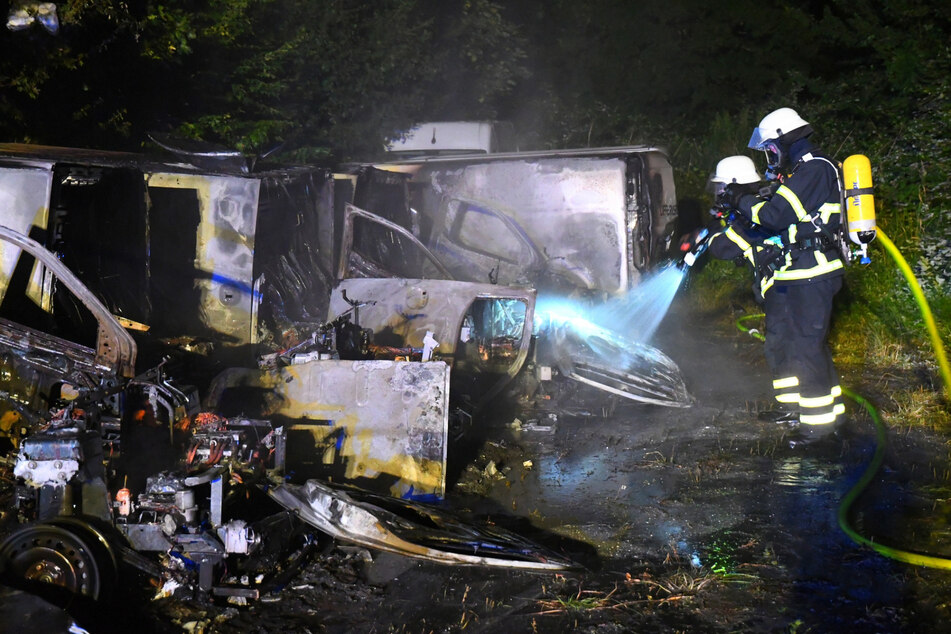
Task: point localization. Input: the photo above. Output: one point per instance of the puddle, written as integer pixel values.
(805, 474)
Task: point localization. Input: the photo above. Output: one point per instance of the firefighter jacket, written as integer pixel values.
(736, 242)
(806, 213)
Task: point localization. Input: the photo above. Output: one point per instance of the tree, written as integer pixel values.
(330, 78)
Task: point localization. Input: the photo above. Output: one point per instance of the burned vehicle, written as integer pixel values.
(566, 345)
(331, 347)
(209, 258)
(447, 138)
(68, 381)
(587, 227)
(215, 495)
(564, 221)
(370, 404)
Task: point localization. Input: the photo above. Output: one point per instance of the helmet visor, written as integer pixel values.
(715, 187)
(760, 137)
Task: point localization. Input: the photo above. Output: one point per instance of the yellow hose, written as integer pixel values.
(897, 554)
(923, 305)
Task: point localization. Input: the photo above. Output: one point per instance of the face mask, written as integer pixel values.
(774, 156)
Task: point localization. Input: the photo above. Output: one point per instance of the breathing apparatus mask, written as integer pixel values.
(775, 157)
(715, 188)
(775, 134)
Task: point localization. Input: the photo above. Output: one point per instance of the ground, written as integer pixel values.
(694, 519)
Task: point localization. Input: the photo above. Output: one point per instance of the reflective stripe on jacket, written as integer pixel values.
(732, 243)
(807, 200)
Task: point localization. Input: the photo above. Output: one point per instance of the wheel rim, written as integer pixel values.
(52, 555)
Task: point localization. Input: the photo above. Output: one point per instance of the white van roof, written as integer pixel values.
(435, 138)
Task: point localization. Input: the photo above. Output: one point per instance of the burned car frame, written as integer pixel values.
(67, 384)
(194, 254)
(578, 349)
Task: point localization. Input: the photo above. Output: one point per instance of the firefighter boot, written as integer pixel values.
(780, 417)
(813, 436)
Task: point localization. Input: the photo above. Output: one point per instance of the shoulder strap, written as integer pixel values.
(809, 156)
(839, 237)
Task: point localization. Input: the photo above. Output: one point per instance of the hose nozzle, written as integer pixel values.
(694, 248)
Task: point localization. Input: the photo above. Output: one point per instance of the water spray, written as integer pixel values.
(636, 314)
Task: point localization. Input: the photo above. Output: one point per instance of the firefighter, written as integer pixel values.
(739, 240)
(735, 238)
(805, 213)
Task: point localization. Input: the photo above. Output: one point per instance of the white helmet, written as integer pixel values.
(736, 169)
(776, 124)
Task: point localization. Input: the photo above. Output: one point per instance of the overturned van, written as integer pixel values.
(591, 219)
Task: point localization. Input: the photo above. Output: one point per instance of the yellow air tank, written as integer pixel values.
(859, 202)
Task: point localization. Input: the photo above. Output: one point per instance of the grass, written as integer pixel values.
(717, 285)
(919, 407)
(581, 601)
(863, 340)
(638, 590)
(656, 458)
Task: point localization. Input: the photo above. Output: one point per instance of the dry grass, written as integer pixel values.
(675, 586)
(859, 340)
(642, 590)
(918, 407)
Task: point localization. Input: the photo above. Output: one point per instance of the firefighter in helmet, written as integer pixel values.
(805, 212)
(734, 237)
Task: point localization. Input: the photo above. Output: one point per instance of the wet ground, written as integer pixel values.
(696, 519)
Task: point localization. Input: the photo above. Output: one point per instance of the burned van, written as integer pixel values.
(184, 250)
(590, 219)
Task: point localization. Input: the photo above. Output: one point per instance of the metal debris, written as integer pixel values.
(411, 529)
(601, 358)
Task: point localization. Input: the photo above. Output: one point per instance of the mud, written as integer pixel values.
(697, 519)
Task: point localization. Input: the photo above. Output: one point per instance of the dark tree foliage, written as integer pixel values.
(697, 75)
(333, 78)
(616, 67)
(328, 78)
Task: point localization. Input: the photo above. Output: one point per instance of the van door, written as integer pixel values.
(371, 246)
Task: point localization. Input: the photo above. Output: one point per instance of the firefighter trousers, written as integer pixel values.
(797, 326)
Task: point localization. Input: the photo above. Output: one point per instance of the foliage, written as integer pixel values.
(330, 78)
(893, 105)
